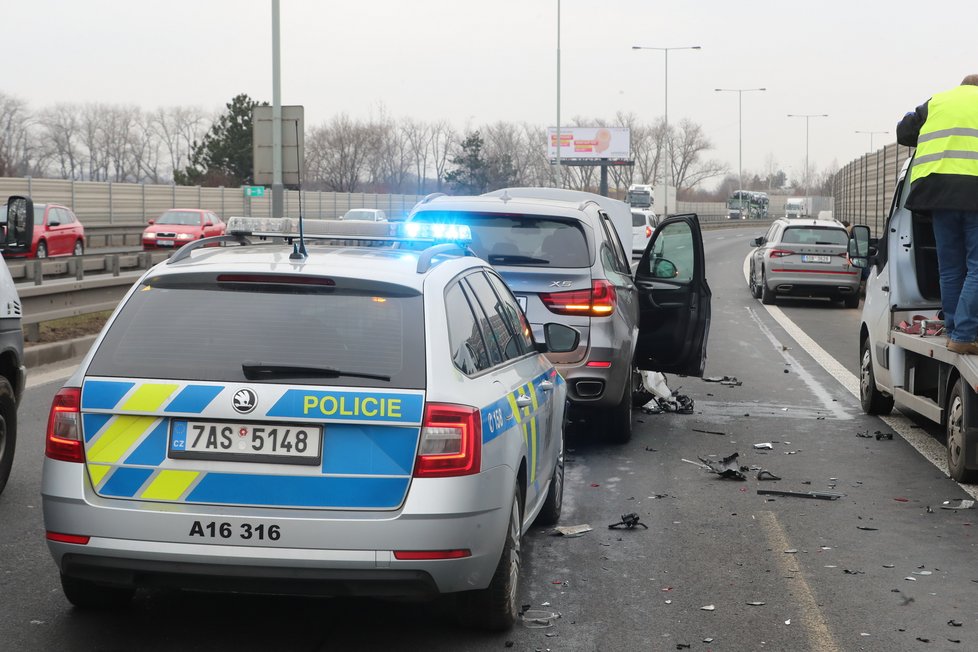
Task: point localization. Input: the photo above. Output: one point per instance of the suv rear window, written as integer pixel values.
(815, 235)
(521, 240)
(638, 219)
(205, 331)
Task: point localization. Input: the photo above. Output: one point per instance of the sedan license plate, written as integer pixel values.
(522, 302)
(279, 443)
(816, 259)
(165, 243)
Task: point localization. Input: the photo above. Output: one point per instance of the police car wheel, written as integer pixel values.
(497, 606)
(89, 595)
(8, 430)
(550, 513)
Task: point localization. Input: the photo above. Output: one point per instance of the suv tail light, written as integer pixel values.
(599, 301)
(451, 441)
(648, 232)
(780, 253)
(64, 440)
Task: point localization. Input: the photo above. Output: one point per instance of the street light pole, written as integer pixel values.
(807, 117)
(871, 134)
(668, 139)
(560, 181)
(740, 127)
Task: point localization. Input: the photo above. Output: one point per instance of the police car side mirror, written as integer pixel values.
(757, 242)
(559, 338)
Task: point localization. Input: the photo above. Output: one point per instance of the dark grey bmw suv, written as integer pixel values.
(565, 262)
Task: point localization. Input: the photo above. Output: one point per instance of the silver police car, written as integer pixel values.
(316, 419)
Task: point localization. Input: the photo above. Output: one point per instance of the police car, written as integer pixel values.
(309, 418)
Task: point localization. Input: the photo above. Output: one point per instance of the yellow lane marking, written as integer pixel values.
(811, 617)
(169, 485)
(118, 438)
(149, 397)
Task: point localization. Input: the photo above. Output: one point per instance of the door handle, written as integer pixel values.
(546, 386)
(523, 400)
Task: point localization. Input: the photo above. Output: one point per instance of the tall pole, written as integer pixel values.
(668, 147)
(807, 117)
(740, 130)
(871, 134)
(560, 180)
(277, 187)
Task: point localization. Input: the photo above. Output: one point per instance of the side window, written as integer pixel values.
(515, 318)
(469, 352)
(65, 216)
(509, 345)
(672, 257)
(611, 235)
(770, 233)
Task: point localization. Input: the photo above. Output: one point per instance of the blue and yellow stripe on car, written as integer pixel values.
(369, 445)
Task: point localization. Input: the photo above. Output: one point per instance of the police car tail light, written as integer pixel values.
(780, 253)
(64, 440)
(599, 301)
(451, 441)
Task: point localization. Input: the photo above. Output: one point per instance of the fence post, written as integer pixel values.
(173, 195)
(222, 201)
(319, 194)
(72, 194)
(199, 204)
(142, 187)
(110, 202)
(334, 205)
(29, 184)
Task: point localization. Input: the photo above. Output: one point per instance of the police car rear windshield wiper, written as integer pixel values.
(260, 371)
(517, 259)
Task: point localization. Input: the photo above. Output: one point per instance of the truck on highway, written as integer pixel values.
(640, 195)
(795, 207)
(15, 236)
(903, 350)
(747, 204)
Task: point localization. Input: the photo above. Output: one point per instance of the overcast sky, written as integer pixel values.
(863, 63)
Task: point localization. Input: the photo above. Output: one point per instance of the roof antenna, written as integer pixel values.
(298, 248)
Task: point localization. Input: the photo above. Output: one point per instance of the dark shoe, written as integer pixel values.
(964, 348)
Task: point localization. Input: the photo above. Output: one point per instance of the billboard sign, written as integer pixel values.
(590, 143)
(293, 144)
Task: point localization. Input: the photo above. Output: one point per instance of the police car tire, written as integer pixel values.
(8, 430)
(84, 594)
(496, 607)
(618, 421)
(552, 504)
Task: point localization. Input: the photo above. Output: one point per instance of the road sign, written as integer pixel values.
(254, 191)
(293, 144)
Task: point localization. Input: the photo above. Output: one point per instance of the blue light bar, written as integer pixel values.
(460, 233)
(286, 227)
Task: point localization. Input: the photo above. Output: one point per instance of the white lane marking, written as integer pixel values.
(49, 376)
(930, 448)
(816, 388)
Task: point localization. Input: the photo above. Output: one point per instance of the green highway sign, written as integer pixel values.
(254, 191)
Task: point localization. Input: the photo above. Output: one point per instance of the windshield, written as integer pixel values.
(186, 218)
(207, 330)
(815, 235)
(521, 240)
(359, 215)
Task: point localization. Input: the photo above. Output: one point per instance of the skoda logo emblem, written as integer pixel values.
(244, 401)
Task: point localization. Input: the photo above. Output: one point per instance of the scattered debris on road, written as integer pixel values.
(727, 467)
(628, 521)
(764, 474)
(708, 432)
(708, 607)
(958, 503)
(729, 381)
(539, 618)
(821, 495)
(764, 446)
(571, 531)
(663, 398)
(878, 435)
(756, 604)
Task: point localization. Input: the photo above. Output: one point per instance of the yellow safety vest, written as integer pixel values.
(948, 140)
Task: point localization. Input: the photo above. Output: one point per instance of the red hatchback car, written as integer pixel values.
(178, 226)
(57, 232)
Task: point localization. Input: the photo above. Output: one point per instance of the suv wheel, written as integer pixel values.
(617, 420)
(755, 289)
(767, 294)
(8, 430)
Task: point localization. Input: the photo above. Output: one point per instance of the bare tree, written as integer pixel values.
(60, 129)
(15, 136)
(443, 141)
(419, 136)
(391, 158)
(337, 153)
(178, 128)
(689, 144)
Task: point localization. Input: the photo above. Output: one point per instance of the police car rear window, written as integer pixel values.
(206, 331)
(521, 240)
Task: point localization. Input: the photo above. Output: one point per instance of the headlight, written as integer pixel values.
(149, 236)
(185, 236)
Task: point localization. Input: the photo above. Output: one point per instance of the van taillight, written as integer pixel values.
(599, 301)
(64, 439)
(451, 441)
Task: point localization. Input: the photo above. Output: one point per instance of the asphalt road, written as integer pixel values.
(831, 575)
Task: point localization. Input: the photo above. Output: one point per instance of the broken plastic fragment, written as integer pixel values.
(572, 530)
(539, 618)
(958, 503)
(628, 521)
(725, 468)
(764, 474)
(764, 446)
(922, 573)
(756, 604)
(708, 607)
(790, 551)
(954, 623)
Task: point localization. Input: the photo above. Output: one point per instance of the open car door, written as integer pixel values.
(18, 227)
(674, 299)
